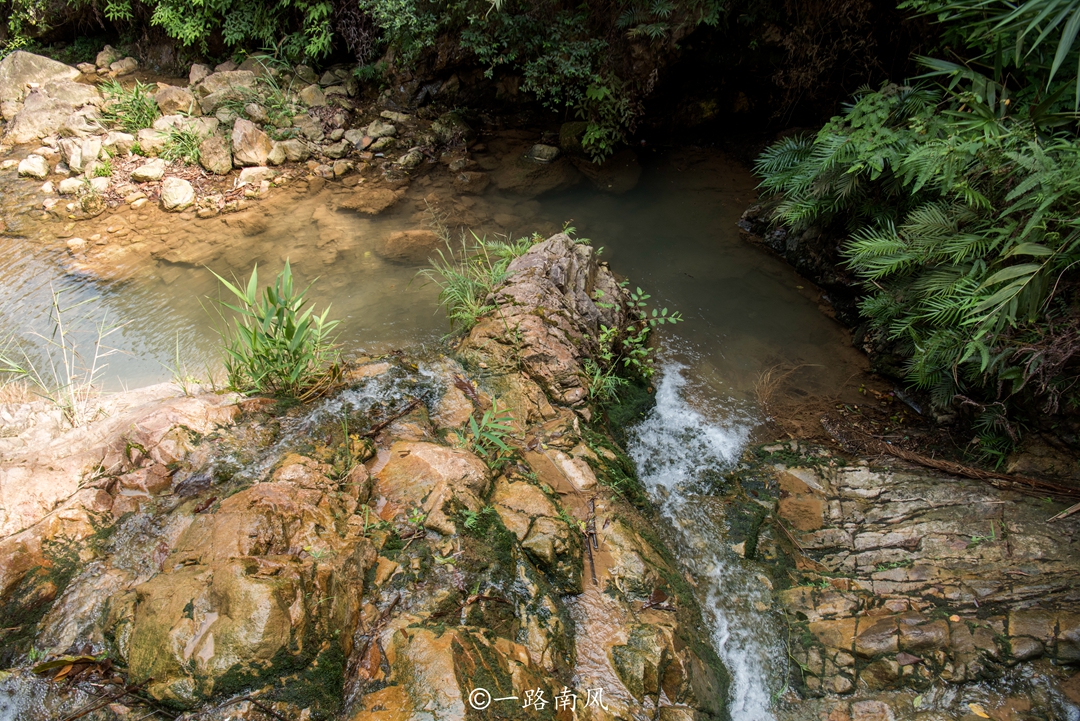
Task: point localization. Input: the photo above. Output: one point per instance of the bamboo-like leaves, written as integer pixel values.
(273, 344)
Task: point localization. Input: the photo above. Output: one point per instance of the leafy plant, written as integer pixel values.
(274, 345)
(182, 145)
(131, 109)
(103, 168)
(473, 519)
(958, 206)
(487, 436)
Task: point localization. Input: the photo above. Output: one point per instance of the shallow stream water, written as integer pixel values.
(674, 236)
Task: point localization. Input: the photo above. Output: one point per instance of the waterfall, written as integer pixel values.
(674, 448)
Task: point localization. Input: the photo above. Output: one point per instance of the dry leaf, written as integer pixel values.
(978, 710)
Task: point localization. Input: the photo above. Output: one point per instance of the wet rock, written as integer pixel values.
(172, 100)
(543, 153)
(411, 159)
(368, 200)
(176, 194)
(523, 176)
(215, 155)
(432, 478)
(471, 182)
(34, 166)
(149, 172)
(313, 96)
(250, 146)
(198, 73)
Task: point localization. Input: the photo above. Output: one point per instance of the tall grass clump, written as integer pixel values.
(130, 109)
(69, 373)
(182, 145)
(273, 344)
(468, 273)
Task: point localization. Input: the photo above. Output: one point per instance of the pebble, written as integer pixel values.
(136, 204)
(76, 244)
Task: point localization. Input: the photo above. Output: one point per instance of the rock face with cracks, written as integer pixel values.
(226, 550)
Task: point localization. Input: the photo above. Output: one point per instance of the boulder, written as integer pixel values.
(117, 143)
(470, 182)
(151, 142)
(198, 73)
(395, 117)
(277, 155)
(47, 108)
(215, 156)
(309, 127)
(123, 67)
(176, 194)
(337, 150)
(84, 121)
(411, 159)
(256, 175)
(172, 100)
(408, 246)
(369, 200)
(530, 178)
(250, 146)
(107, 57)
(34, 166)
(296, 150)
(149, 172)
(378, 129)
(305, 73)
(21, 68)
(79, 154)
(313, 96)
(70, 186)
(543, 153)
(218, 87)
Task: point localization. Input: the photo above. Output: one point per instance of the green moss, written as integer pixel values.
(632, 404)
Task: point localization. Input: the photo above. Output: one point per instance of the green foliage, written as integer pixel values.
(103, 169)
(467, 275)
(131, 109)
(279, 102)
(474, 519)
(1035, 39)
(959, 210)
(487, 435)
(273, 344)
(182, 145)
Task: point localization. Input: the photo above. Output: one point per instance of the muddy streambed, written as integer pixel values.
(674, 235)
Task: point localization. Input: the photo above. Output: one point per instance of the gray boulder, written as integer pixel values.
(84, 121)
(250, 146)
(124, 67)
(296, 150)
(254, 176)
(218, 87)
(117, 143)
(151, 142)
(34, 166)
(107, 57)
(70, 186)
(176, 194)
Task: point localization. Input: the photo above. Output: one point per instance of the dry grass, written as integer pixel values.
(17, 391)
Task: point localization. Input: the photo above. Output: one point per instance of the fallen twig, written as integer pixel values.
(108, 700)
(374, 430)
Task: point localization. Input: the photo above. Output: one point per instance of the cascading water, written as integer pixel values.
(675, 448)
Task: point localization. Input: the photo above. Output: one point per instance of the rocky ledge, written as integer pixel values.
(361, 557)
(909, 593)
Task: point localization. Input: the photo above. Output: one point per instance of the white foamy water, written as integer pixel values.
(675, 448)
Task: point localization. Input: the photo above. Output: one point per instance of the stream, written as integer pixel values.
(674, 236)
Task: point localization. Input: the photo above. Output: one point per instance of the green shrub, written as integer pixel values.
(273, 344)
(959, 211)
(130, 109)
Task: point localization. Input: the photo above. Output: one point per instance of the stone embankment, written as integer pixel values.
(899, 584)
(228, 559)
